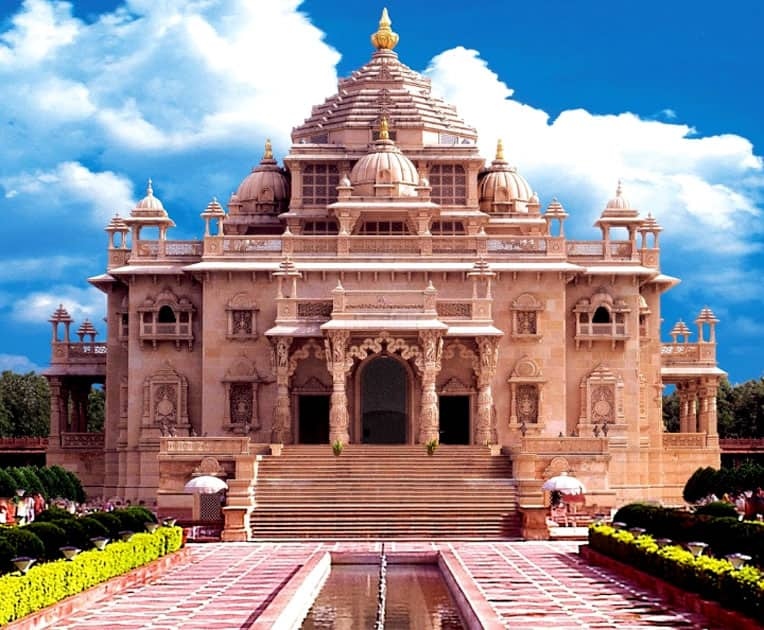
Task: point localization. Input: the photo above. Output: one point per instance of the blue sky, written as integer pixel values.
(96, 96)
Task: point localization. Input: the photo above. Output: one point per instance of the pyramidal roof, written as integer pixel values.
(383, 87)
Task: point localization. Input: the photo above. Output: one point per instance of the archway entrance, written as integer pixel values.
(384, 396)
(313, 419)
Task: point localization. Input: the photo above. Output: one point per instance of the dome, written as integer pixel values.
(150, 206)
(385, 171)
(265, 189)
(618, 202)
(502, 187)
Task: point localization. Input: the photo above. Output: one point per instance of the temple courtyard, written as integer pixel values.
(526, 585)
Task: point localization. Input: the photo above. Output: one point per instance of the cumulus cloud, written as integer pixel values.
(18, 363)
(82, 303)
(704, 188)
(71, 183)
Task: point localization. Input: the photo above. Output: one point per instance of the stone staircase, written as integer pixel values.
(385, 491)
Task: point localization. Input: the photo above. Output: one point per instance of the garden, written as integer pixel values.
(61, 553)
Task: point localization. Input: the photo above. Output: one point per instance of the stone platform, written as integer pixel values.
(529, 585)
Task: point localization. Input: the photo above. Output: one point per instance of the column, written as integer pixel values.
(692, 408)
(683, 408)
(55, 409)
(485, 427)
(429, 420)
(338, 364)
(281, 427)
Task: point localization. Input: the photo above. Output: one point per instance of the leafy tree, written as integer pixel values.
(96, 410)
(671, 412)
(24, 405)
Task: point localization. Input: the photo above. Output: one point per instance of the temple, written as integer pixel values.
(383, 288)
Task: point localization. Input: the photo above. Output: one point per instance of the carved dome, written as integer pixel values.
(264, 190)
(503, 189)
(150, 206)
(619, 202)
(385, 171)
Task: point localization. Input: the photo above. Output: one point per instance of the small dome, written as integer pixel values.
(150, 202)
(265, 189)
(385, 171)
(503, 186)
(117, 224)
(619, 202)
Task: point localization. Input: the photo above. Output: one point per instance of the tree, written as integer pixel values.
(96, 410)
(671, 412)
(24, 405)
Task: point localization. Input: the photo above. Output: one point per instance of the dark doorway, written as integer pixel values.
(455, 419)
(383, 402)
(314, 419)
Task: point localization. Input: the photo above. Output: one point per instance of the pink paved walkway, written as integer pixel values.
(531, 585)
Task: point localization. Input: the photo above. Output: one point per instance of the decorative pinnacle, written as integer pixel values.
(268, 154)
(384, 38)
(618, 189)
(149, 189)
(499, 150)
(384, 129)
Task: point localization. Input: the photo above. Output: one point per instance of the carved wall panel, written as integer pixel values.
(165, 401)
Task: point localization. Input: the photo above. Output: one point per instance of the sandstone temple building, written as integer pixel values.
(382, 287)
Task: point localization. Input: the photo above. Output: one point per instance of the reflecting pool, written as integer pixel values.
(417, 598)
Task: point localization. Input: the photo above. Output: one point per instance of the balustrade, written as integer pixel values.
(89, 441)
(684, 440)
(158, 249)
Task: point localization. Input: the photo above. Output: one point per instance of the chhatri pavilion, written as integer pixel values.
(383, 287)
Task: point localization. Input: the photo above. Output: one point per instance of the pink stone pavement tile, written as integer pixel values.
(529, 585)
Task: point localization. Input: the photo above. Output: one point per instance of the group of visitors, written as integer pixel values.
(21, 509)
(749, 503)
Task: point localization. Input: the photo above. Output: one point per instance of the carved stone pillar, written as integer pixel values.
(55, 408)
(692, 408)
(281, 427)
(485, 427)
(338, 363)
(432, 349)
(684, 425)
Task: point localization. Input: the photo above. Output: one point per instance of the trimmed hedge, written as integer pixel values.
(112, 523)
(708, 480)
(51, 482)
(52, 537)
(23, 543)
(717, 509)
(724, 535)
(49, 583)
(712, 578)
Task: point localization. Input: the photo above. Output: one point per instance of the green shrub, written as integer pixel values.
(76, 535)
(7, 551)
(66, 489)
(143, 514)
(93, 529)
(724, 534)
(23, 542)
(48, 583)
(129, 519)
(52, 536)
(112, 523)
(54, 513)
(34, 485)
(718, 509)
(711, 578)
(7, 484)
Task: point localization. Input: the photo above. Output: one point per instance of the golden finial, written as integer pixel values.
(268, 155)
(384, 130)
(384, 38)
(500, 150)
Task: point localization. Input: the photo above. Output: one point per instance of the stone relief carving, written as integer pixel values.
(165, 401)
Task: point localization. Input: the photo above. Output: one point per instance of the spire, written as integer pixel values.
(618, 190)
(384, 38)
(384, 129)
(149, 189)
(500, 150)
(268, 154)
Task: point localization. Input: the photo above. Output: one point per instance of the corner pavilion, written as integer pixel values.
(383, 286)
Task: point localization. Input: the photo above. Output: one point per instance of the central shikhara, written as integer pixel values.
(385, 286)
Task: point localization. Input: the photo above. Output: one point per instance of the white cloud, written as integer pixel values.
(702, 188)
(47, 268)
(17, 363)
(81, 303)
(71, 183)
(39, 30)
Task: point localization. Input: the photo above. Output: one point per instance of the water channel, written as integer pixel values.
(417, 599)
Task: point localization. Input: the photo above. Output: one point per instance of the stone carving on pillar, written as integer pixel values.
(338, 362)
(432, 352)
(281, 427)
(165, 402)
(488, 354)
